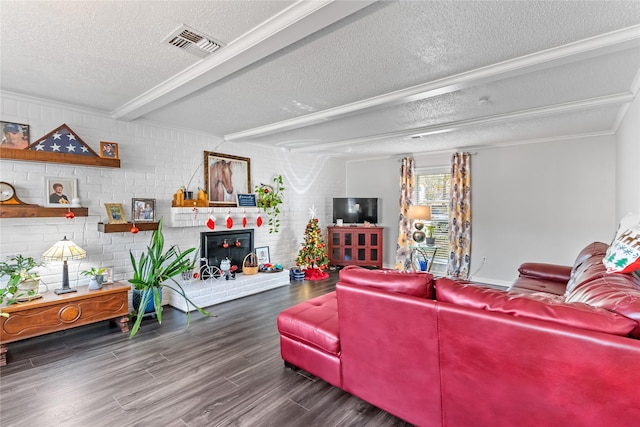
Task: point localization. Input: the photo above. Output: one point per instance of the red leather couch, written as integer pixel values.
(446, 353)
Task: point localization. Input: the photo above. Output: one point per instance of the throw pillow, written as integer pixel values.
(623, 256)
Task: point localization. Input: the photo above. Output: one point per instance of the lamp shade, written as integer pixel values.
(64, 250)
(420, 212)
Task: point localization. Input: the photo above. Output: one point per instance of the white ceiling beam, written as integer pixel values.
(569, 107)
(296, 22)
(583, 49)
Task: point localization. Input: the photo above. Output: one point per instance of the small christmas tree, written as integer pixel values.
(312, 257)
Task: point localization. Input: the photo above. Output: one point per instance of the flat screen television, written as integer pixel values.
(355, 210)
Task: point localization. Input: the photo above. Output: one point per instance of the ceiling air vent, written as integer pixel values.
(193, 41)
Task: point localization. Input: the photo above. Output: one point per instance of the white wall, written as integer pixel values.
(379, 178)
(155, 162)
(628, 162)
(538, 202)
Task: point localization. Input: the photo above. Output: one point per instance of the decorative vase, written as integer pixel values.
(96, 282)
(136, 299)
(28, 285)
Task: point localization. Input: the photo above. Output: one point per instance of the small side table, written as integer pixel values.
(53, 313)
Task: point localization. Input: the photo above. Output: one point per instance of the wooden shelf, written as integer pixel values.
(120, 228)
(47, 157)
(35, 211)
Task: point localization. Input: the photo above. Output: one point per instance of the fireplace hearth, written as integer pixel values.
(215, 246)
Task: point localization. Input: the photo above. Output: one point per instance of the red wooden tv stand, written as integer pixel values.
(355, 246)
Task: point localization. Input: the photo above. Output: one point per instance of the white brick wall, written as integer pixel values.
(155, 162)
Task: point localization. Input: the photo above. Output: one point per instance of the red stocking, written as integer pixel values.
(259, 221)
(211, 222)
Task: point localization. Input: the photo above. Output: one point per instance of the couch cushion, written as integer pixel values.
(540, 306)
(597, 249)
(588, 270)
(623, 256)
(550, 272)
(314, 322)
(410, 283)
(615, 292)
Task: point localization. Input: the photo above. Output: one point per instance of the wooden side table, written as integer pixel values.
(53, 313)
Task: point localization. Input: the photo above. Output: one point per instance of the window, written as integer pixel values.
(432, 188)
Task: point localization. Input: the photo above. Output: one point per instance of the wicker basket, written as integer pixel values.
(250, 264)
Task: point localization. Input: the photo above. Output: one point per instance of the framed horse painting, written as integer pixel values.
(225, 176)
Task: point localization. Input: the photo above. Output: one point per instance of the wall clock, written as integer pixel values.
(8, 195)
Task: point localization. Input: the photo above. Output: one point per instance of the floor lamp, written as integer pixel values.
(62, 251)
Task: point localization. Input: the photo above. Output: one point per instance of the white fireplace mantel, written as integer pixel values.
(197, 217)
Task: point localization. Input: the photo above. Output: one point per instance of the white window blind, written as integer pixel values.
(432, 188)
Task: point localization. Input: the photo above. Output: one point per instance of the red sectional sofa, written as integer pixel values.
(560, 348)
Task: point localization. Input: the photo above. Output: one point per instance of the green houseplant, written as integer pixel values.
(23, 281)
(431, 238)
(269, 198)
(95, 275)
(154, 269)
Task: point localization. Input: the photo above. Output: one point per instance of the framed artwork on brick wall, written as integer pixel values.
(225, 177)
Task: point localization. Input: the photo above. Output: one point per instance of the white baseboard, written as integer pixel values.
(493, 282)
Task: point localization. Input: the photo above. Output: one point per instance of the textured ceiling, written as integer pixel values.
(358, 78)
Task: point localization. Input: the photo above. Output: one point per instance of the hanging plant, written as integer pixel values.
(269, 198)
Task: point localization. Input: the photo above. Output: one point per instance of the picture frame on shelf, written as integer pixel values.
(143, 210)
(108, 150)
(107, 276)
(115, 213)
(60, 192)
(247, 200)
(15, 136)
(225, 177)
(262, 253)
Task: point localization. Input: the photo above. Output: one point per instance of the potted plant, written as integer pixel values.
(23, 281)
(269, 198)
(431, 239)
(96, 277)
(154, 269)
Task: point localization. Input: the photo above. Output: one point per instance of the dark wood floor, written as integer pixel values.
(221, 371)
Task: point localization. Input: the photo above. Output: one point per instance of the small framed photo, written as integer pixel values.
(143, 210)
(60, 191)
(115, 213)
(263, 255)
(14, 135)
(245, 200)
(108, 150)
(107, 276)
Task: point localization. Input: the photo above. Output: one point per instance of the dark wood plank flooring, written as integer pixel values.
(221, 371)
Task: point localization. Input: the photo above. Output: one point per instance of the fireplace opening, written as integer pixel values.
(215, 246)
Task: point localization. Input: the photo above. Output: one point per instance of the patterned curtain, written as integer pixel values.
(407, 181)
(460, 216)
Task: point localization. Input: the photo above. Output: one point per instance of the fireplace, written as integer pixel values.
(218, 245)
